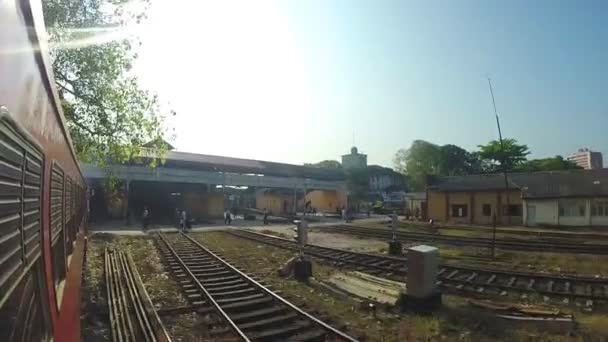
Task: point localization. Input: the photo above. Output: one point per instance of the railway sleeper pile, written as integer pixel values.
(132, 315)
(243, 307)
(566, 289)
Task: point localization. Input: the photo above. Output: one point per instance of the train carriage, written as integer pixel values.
(42, 191)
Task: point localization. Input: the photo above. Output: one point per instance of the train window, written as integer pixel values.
(24, 316)
(57, 229)
(67, 211)
(21, 284)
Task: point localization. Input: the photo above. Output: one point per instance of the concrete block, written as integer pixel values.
(422, 264)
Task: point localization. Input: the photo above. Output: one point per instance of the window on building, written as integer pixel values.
(459, 210)
(599, 208)
(571, 208)
(512, 210)
(486, 210)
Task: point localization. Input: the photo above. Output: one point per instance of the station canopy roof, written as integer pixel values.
(548, 184)
(207, 162)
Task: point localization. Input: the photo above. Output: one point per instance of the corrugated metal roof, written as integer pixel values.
(569, 183)
(239, 165)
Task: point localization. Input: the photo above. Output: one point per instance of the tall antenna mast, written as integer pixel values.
(504, 170)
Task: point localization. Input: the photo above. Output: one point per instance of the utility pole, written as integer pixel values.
(504, 170)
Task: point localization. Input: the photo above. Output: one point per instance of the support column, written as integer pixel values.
(588, 210)
(472, 205)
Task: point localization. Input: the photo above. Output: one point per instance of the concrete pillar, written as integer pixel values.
(422, 294)
(588, 211)
(472, 207)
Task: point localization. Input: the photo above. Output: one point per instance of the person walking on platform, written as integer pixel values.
(265, 216)
(145, 219)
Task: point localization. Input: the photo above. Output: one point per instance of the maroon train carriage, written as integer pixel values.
(42, 191)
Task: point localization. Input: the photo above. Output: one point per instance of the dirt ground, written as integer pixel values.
(456, 321)
(341, 241)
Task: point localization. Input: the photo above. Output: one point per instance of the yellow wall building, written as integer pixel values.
(275, 203)
(474, 199)
(204, 205)
(327, 201)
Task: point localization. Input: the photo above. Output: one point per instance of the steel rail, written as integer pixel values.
(541, 246)
(274, 295)
(444, 277)
(200, 286)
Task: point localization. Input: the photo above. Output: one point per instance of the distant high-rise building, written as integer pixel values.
(354, 160)
(587, 159)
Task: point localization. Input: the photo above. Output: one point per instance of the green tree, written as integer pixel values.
(424, 158)
(421, 159)
(547, 164)
(454, 161)
(109, 115)
(513, 156)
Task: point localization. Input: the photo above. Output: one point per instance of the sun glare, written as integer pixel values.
(224, 64)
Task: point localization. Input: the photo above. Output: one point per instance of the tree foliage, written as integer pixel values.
(109, 115)
(547, 164)
(424, 158)
(514, 154)
(421, 159)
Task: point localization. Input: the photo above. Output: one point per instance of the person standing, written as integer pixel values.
(227, 217)
(182, 220)
(265, 216)
(145, 218)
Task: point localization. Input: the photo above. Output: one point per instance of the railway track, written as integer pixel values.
(132, 315)
(566, 235)
(587, 291)
(249, 310)
(548, 245)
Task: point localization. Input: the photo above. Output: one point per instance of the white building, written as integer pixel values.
(566, 198)
(587, 159)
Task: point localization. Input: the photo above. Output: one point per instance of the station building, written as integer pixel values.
(553, 198)
(205, 185)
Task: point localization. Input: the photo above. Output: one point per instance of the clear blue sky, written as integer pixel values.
(291, 80)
